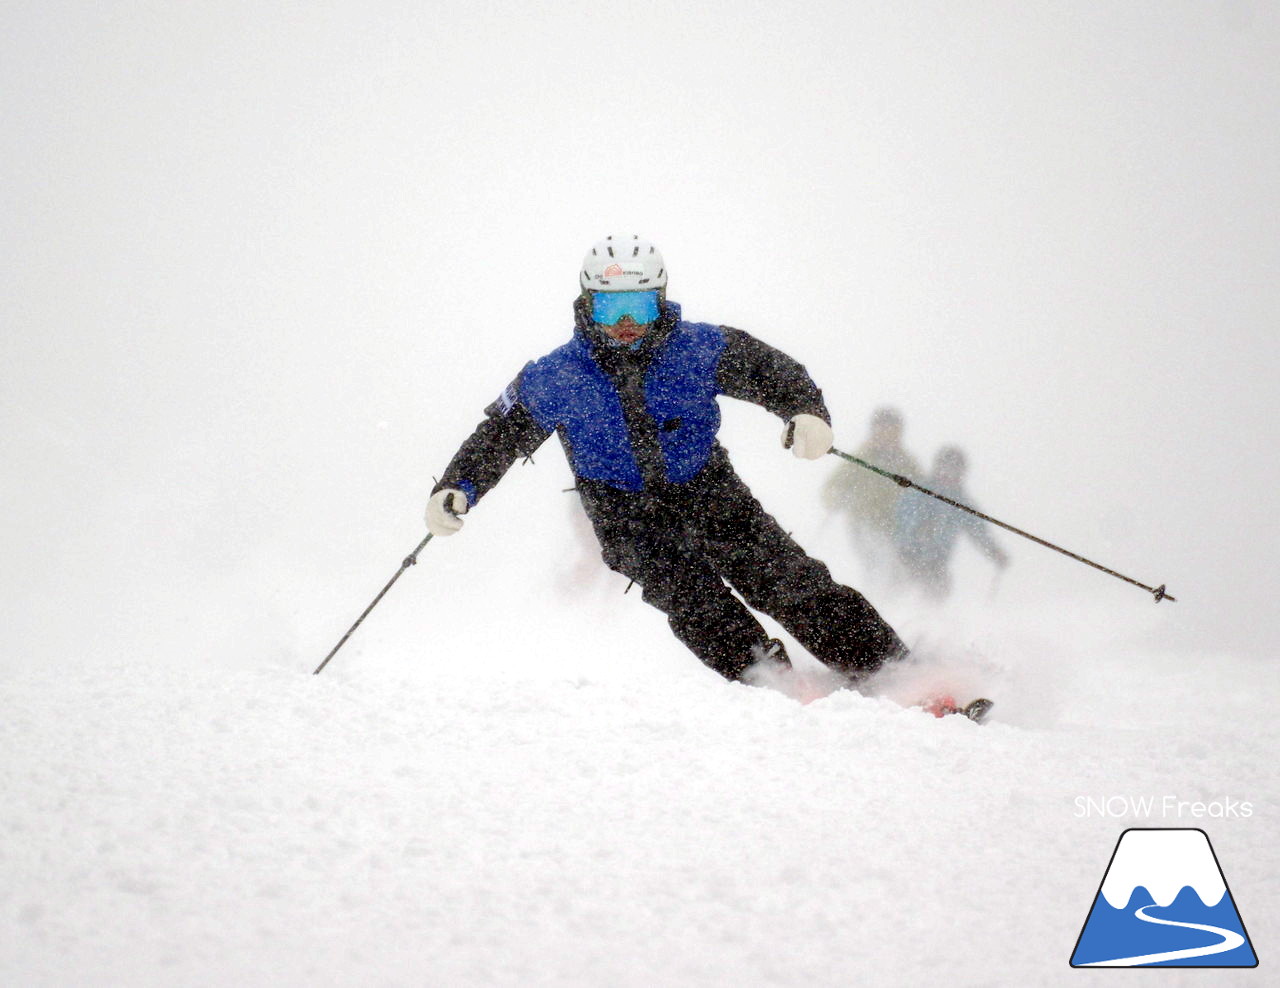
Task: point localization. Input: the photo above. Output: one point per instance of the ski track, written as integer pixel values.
(1230, 941)
(183, 826)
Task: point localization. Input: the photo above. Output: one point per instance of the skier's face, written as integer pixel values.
(886, 433)
(627, 330)
(948, 472)
(625, 316)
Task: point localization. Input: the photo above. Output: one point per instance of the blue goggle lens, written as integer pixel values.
(608, 307)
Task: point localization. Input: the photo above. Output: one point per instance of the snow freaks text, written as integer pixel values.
(1161, 806)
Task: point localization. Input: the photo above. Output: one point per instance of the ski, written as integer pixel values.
(977, 710)
(943, 706)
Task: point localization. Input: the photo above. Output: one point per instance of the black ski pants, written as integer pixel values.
(683, 542)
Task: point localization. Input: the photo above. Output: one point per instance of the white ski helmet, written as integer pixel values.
(623, 263)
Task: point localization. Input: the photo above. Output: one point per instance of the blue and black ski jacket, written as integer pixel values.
(641, 419)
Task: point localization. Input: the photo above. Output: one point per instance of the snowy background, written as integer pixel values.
(262, 267)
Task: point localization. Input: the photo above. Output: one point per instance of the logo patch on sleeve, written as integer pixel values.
(507, 400)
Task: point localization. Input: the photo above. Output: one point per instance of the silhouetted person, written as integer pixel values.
(868, 502)
(926, 529)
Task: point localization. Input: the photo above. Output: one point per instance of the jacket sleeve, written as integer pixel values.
(754, 371)
(507, 432)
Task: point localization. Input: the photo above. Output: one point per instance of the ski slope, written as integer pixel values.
(170, 825)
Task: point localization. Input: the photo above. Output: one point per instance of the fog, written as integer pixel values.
(263, 268)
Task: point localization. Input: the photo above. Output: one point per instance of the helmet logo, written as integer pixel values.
(617, 271)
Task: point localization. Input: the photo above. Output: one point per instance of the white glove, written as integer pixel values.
(808, 436)
(443, 511)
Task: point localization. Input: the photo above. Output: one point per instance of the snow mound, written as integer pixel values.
(180, 826)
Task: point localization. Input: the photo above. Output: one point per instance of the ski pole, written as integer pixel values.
(409, 560)
(902, 481)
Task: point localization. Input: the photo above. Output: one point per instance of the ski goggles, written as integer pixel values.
(608, 307)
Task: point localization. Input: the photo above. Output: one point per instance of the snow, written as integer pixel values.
(1145, 859)
(267, 826)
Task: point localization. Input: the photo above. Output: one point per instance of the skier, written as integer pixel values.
(870, 501)
(927, 529)
(632, 397)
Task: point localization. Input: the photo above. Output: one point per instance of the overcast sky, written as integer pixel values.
(263, 266)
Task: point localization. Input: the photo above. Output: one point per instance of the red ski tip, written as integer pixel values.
(940, 705)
